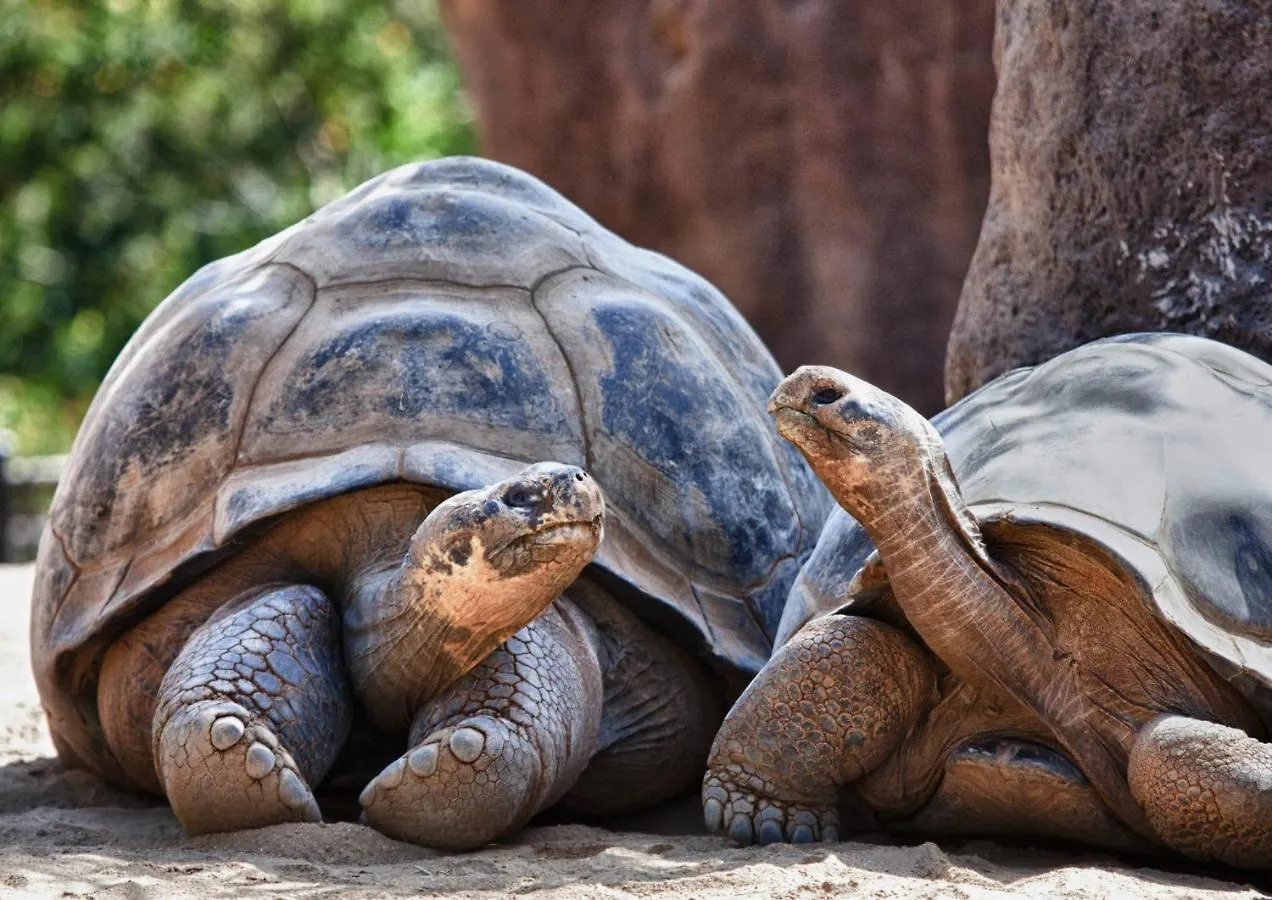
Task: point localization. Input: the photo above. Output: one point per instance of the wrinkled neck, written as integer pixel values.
(945, 582)
(968, 613)
(923, 511)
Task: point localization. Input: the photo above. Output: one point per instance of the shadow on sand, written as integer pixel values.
(64, 827)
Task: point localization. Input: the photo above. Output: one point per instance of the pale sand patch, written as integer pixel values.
(64, 834)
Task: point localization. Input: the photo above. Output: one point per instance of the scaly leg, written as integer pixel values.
(506, 740)
(1206, 789)
(830, 706)
(586, 705)
(252, 712)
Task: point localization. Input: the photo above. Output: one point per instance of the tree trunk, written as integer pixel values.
(1132, 154)
(824, 163)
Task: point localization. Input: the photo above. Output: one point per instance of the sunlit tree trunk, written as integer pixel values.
(1132, 149)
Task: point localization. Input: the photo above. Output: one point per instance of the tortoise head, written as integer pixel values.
(481, 565)
(861, 441)
(542, 524)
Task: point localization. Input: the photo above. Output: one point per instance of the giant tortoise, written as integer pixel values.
(1068, 633)
(300, 500)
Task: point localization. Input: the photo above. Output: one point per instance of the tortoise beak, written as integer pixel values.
(788, 405)
(791, 394)
(779, 402)
(793, 424)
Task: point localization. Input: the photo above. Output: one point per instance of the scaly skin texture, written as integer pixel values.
(830, 707)
(553, 706)
(506, 740)
(1207, 789)
(253, 712)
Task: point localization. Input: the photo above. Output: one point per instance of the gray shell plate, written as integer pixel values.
(1155, 446)
(445, 323)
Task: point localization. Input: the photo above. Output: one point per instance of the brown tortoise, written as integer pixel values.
(302, 495)
(1068, 632)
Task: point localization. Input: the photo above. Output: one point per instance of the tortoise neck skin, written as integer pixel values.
(941, 575)
(886, 465)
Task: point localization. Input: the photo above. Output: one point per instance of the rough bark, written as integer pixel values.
(1132, 181)
(824, 163)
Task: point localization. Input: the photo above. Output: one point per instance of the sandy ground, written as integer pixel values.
(64, 834)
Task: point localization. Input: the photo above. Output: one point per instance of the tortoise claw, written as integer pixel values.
(747, 816)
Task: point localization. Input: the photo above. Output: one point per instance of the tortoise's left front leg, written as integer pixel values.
(1206, 789)
(500, 744)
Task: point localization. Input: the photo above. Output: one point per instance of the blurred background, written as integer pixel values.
(825, 163)
(140, 140)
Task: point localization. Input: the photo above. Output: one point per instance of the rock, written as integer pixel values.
(1132, 182)
(824, 163)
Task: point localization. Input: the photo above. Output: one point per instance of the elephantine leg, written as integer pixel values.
(506, 740)
(252, 712)
(659, 715)
(830, 706)
(1206, 789)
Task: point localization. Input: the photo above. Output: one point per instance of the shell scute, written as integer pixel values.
(433, 234)
(166, 425)
(408, 364)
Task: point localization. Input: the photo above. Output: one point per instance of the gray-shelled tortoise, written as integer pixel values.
(1067, 634)
(242, 510)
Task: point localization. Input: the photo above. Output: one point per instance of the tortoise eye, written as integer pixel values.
(522, 497)
(825, 395)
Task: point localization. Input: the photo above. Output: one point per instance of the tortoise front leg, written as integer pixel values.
(830, 706)
(1206, 789)
(586, 705)
(503, 742)
(253, 712)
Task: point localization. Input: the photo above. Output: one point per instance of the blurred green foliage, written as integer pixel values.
(140, 139)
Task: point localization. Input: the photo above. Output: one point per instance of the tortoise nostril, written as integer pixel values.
(522, 497)
(825, 395)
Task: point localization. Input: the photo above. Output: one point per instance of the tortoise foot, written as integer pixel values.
(749, 817)
(252, 711)
(459, 788)
(223, 771)
(830, 706)
(505, 741)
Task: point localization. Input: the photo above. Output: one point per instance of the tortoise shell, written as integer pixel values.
(1151, 445)
(445, 323)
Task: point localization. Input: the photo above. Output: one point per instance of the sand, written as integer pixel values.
(65, 834)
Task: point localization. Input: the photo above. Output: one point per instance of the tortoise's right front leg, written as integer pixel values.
(252, 712)
(830, 706)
